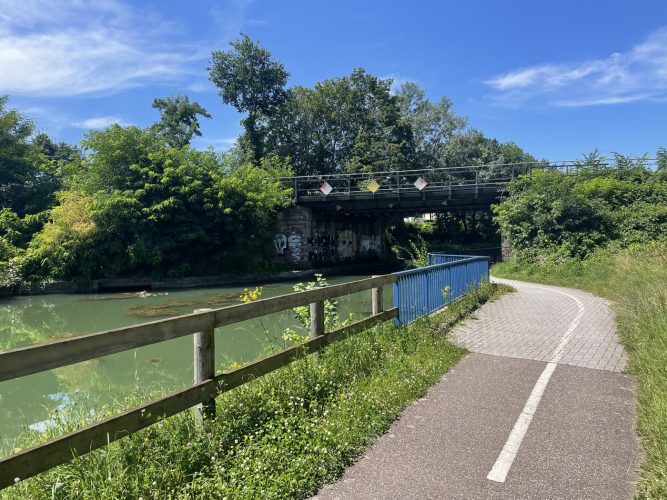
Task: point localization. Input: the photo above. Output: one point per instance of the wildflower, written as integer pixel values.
(58, 485)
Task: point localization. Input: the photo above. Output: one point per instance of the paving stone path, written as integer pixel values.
(539, 409)
(528, 325)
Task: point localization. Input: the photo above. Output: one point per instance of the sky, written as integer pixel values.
(558, 78)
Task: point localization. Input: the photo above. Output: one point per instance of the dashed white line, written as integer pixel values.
(504, 462)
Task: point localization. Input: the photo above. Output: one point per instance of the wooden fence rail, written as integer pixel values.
(38, 358)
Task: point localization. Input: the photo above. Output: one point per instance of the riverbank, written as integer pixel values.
(636, 280)
(282, 435)
(228, 279)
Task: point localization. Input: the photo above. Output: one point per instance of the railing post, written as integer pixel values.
(396, 299)
(316, 319)
(204, 368)
(377, 299)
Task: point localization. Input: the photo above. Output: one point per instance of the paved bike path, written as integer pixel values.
(538, 410)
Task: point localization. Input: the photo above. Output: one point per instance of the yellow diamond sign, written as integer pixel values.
(373, 185)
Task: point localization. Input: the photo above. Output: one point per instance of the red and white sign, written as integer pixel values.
(326, 188)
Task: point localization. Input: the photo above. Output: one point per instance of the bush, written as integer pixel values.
(555, 216)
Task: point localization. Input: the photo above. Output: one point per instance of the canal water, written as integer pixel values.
(28, 402)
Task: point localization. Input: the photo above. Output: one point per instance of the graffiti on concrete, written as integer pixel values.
(322, 248)
(280, 243)
(347, 244)
(370, 245)
(294, 243)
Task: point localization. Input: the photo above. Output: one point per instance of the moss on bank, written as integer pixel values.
(283, 435)
(636, 280)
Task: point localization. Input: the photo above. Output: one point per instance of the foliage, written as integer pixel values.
(178, 119)
(634, 278)
(158, 211)
(342, 124)
(60, 247)
(282, 435)
(250, 295)
(28, 179)
(550, 213)
(250, 81)
(432, 124)
(302, 313)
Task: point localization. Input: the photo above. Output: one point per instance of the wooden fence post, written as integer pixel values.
(316, 319)
(204, 368)
(377, 299)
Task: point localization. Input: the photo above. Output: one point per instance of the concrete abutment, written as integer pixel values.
(304, 235)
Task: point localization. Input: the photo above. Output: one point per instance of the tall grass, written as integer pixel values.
(282, 435)
(636, 280)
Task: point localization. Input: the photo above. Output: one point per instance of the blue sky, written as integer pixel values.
(558, 78)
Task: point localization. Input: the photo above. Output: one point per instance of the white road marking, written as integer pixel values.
(508, 454)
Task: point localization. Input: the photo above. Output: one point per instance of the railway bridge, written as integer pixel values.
(341, 217)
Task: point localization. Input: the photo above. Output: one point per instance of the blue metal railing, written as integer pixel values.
(443, 258)
(419, 292)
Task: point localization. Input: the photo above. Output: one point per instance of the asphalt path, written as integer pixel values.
(541, 410)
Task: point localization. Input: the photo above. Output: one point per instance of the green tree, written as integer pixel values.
(178, 119)
(117, 158)
(59, 152)
(143, 208)
(342, 124)
(432, 124)
(252, 82)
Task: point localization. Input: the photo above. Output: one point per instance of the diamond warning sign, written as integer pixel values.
(326, 187)
(373, 185)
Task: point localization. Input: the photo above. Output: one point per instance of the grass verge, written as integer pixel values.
(636, 280)
(283, 435)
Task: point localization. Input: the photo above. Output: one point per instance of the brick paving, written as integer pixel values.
(530, 324)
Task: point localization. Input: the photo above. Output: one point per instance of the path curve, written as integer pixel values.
(527, 324)
(539, 409)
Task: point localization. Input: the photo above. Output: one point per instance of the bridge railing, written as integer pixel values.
(419, 292)
(406, 183)
(401, 183)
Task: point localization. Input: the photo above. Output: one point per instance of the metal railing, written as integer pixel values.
(472, 178)
(419, 292)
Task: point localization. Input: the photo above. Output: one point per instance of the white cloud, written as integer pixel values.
(62, 48)
(636, 75)
(99, 122)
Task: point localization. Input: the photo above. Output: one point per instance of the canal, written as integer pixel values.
(28, 403)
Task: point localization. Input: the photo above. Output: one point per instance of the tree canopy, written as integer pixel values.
(340, 125)
(250, 81)
(178, 119)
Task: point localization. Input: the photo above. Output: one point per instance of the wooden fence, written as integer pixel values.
(202, 323)
(416, 293)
